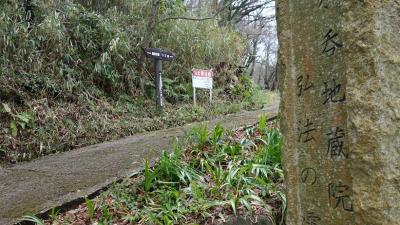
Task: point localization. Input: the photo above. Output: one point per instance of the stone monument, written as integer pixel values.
(339, 71)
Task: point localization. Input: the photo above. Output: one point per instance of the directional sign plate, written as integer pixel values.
(156, 53)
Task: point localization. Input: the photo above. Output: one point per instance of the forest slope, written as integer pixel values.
(74, 74)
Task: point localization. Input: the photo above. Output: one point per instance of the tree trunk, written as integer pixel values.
(254, 56)
(266, 67)
(266, 72)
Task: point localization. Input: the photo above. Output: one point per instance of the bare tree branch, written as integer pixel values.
(186, 18)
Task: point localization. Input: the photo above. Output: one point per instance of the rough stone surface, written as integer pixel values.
(53, 180)
(339, 69)
(263, 220)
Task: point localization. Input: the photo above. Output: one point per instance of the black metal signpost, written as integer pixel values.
(159, 55)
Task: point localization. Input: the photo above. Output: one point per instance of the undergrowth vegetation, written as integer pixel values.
(72, 73)
(64, 126)
(207, 178)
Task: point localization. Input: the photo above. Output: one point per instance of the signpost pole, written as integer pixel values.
(158, 55)
(194, 96)
(210, 96)
(158, 81)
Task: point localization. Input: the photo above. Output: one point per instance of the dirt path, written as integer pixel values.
(54, 180)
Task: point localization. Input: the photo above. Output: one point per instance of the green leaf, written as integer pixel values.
(91, 207)
(33, 219)
(256, 198)
(22, 125)
(262, 124)
(233, 205)
(25, 117)
(149, 177)
(14, 129)
(246, 204)
(7, 108)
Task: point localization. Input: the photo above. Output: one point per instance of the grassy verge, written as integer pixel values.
(46, 127)
(207, 178)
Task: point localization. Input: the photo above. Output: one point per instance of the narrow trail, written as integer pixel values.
(53, 180)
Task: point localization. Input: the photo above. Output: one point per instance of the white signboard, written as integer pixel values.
(202, 78)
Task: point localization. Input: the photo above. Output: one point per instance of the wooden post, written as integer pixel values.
(194, 96)
(158, 55)
(158, 82)
(210, 96)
